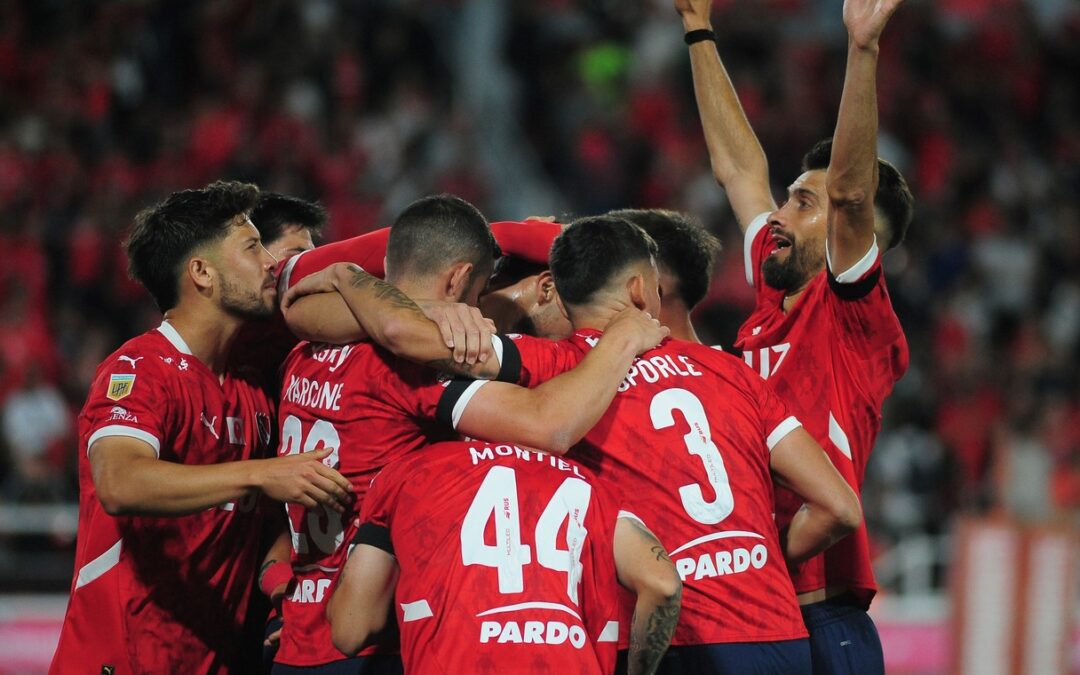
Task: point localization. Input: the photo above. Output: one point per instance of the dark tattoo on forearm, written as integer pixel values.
(660, 553)
(648, 645)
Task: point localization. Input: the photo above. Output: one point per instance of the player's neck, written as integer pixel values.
(678, 322)
(208, 334)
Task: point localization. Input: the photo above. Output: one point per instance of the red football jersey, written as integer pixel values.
(687, 443)
(506, 560)
(165, 594)
(833, 358)
(373, 408)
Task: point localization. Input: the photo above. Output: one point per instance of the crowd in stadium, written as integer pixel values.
(364, 107)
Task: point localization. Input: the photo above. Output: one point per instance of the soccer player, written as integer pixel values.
(823, 330)
(693, 439)
(288, 225)
(371, 407)
(171, 438)
(686, 253)
(504, 560)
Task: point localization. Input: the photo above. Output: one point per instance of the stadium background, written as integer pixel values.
(563, 107)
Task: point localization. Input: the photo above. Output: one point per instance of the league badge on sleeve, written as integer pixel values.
(120, 386)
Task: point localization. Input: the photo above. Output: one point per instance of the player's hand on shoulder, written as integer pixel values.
(641, 330)
(317, 282)
(865, 19)
(304, 479)
(464, 329)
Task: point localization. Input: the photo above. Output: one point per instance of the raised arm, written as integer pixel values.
(737, 160)
(130, 480)
(644, 568)
(558, 413)
(852, 177)
(831, 512)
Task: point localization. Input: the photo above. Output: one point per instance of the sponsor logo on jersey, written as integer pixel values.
(310, 590)
(209, 424)
(721, 563)
(121, 414)
(132, 361)
(532, 633)
(120, 385)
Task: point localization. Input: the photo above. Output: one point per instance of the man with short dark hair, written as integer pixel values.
(686, 252)
(823, 330)
(288, 225)
(692, 440)
(172, 438)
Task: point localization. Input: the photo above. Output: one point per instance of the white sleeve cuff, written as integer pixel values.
(286, 273)
(632, 516)
(782, 430)
(130, 432)
(497, 347)
(856, 271)
(463, 401)
(752, 230)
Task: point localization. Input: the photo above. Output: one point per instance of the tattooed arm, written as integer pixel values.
(645, 569)
(343, 303)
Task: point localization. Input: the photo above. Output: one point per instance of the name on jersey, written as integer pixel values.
(656, 367)
(491, 452)
(314, 394)
(722, 563)
(532, 633)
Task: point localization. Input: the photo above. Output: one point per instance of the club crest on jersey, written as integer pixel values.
(120, 385)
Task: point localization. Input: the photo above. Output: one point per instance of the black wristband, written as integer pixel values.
(700, 35)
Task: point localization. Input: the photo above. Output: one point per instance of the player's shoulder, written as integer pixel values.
(150, 352)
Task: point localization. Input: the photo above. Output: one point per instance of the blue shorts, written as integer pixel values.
(843, 638)
(376, 664)
(783, 657)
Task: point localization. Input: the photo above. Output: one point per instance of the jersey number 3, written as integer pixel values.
(497, 499)
(698, 442)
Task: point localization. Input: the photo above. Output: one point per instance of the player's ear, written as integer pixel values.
(456, 283)
(202, 273)
(545, 289)
(635, 286)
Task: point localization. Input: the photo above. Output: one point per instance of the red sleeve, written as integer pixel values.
(378, 509)
(367, 250)
(757, 245)
(530, 240)
(535, 360)
(130, 399)
(776, 420)
(863, 314)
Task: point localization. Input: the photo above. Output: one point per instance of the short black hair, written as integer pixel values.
(164, 235)
(686, 249)
(893, 197)
(592, 250)
(435, 232)
(275, 212)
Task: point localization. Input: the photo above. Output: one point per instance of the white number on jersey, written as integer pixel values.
(326, 538)
(764, 359)
(698, 442)
(497, 499)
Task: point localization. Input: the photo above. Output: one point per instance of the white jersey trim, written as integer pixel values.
(497, 347)
(752, 230)
(531, 605)
(856, 271)
(121, 430)
(782, 430)
(286, 273)
(173, 336)
(414, 611)
(463, 401)
(610, 632)
(631, 516)
(99, 565)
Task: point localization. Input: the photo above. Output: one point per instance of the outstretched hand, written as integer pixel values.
(865, 19)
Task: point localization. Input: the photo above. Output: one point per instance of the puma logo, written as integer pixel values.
(130, 360)
(209, 424)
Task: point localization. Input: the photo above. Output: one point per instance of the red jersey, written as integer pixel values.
(833, 358)
(165, 594)
(373, 408)
(687, 442)
(506, 561)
